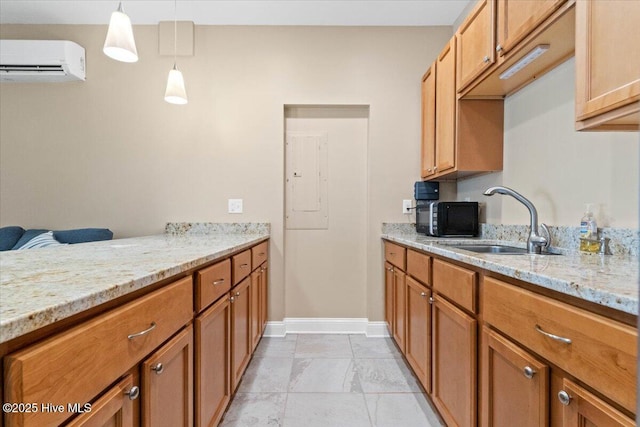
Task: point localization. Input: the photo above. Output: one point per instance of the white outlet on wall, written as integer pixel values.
(235, 205)
(406, 206)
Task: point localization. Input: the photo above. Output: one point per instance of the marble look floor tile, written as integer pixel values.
(276, 347)
(255, 409)
(401, 409)
(386, 376)
(321, 345)
(373, 348)
(324, 375)
(326, 409)
(266, 375)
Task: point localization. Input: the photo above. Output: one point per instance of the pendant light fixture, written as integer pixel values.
(175, 93)
(119, 43)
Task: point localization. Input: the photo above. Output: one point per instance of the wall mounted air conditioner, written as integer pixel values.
(41, 61)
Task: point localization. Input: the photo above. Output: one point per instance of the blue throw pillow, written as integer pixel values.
(9, 236)
(83, 235)
(28, 235)
(43, 240)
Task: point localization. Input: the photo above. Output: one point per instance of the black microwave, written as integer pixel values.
(447, 219)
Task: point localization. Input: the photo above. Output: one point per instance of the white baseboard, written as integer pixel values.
(309, 325)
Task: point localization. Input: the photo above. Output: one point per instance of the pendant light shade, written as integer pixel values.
(175, 93)
(119, 43)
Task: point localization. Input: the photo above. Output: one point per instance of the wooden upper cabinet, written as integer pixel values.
(607, 65)
(428, 146)
(475, 43)
(446, 108)
(516, 19)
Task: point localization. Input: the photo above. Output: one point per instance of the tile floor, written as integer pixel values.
(329, 381)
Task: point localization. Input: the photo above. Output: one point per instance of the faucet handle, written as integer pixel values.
(547, 237)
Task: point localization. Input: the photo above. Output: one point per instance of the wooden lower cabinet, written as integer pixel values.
(388, 297)
(167, 383)
(113, 408)
(399, 307)
(454, 363)
(514, 385)
(255, 291)
(240, 331)
(580, 408)
(213, 363)
(264, 297)
(418, 342)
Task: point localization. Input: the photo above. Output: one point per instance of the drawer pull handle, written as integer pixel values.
(145, 332)
(217, 282)
(261, 254)
(244, 265)
(552, 336)
(529, 372)
(564, 398)
(133, 393)
(158, 368)
(392, 253)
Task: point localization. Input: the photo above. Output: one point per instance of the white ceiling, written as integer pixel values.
(238, 12)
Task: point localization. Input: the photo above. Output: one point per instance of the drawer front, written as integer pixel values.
(456, 283)
(602, 352)
(211, 283)
(419, 266)
(395, 254)
(259, 254)
(241, 265)
(76, 365)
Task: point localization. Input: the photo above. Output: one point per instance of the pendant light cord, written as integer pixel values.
(175, 31)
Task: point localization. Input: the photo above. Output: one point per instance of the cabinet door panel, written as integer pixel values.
(213, 363)
(418, 343)
(400, 308)
(114, 408)
(254, 315)
(240, 331)
(515, 385)
(167, 389)
(586, 410)
(428, 145)
(475, 43)
(446, 108)
(389, 297)
(454, 364)
(518, 18)
(607, 72)
(264, 297)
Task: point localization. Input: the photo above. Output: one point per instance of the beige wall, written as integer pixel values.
(110, 153)
(557, 168)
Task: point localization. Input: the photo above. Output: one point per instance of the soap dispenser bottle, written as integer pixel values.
(589, 232)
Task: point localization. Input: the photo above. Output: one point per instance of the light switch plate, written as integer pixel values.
(235, 205)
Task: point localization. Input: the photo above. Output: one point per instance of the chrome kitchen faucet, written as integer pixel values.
(535, 242)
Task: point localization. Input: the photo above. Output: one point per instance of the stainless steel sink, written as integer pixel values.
(493, 249)
(484, 248)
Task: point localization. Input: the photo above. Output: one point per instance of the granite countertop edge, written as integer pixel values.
(47, 304)
(606, 280)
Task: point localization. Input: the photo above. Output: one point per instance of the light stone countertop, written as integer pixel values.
(608, 280)
(39, 287)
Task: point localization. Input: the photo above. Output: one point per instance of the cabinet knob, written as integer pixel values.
(431, 300)
(158, 368)
(237, 294)
(485, 59)
(564, 398)
(133, 393)
(423, 294)
(498, 48)
(529, 372)
(232, 299)
(428, 169)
